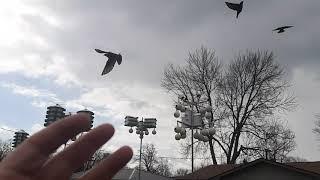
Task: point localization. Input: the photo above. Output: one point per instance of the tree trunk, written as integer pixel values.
(213, 156)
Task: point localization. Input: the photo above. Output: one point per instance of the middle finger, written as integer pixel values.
(63, 164)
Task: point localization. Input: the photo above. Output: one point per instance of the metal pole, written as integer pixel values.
(192, 150)
(191, 141)
(141, 136)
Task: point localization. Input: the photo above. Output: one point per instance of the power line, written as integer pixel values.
(178, 157)
(168, 157)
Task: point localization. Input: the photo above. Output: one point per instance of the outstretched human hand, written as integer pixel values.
(33, 159)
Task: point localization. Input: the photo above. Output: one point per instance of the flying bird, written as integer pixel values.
(235, 7)
(112, 58)
(282, 29)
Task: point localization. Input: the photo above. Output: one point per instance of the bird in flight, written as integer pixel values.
(235, 7)
(112, 58)
(282, 29)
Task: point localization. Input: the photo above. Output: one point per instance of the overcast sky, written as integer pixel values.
(47, 57)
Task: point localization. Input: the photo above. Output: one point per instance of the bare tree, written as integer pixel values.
(5, 148)
(181, 172)
(151, 162)
(163, 168)
(252, 89)
(199, 76)
(99, 156)
(316, 130)
(95, 159)
(149, 158)
(272, 141)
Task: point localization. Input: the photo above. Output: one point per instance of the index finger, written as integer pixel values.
(33, 152)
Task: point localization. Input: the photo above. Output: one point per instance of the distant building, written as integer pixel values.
(260, 169)
(130, 174)
(19, 137)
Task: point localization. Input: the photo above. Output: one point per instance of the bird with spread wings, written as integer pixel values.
(235, 7)
(282, 29)
(112, 59)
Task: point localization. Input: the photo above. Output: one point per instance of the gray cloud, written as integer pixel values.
(152, 33)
